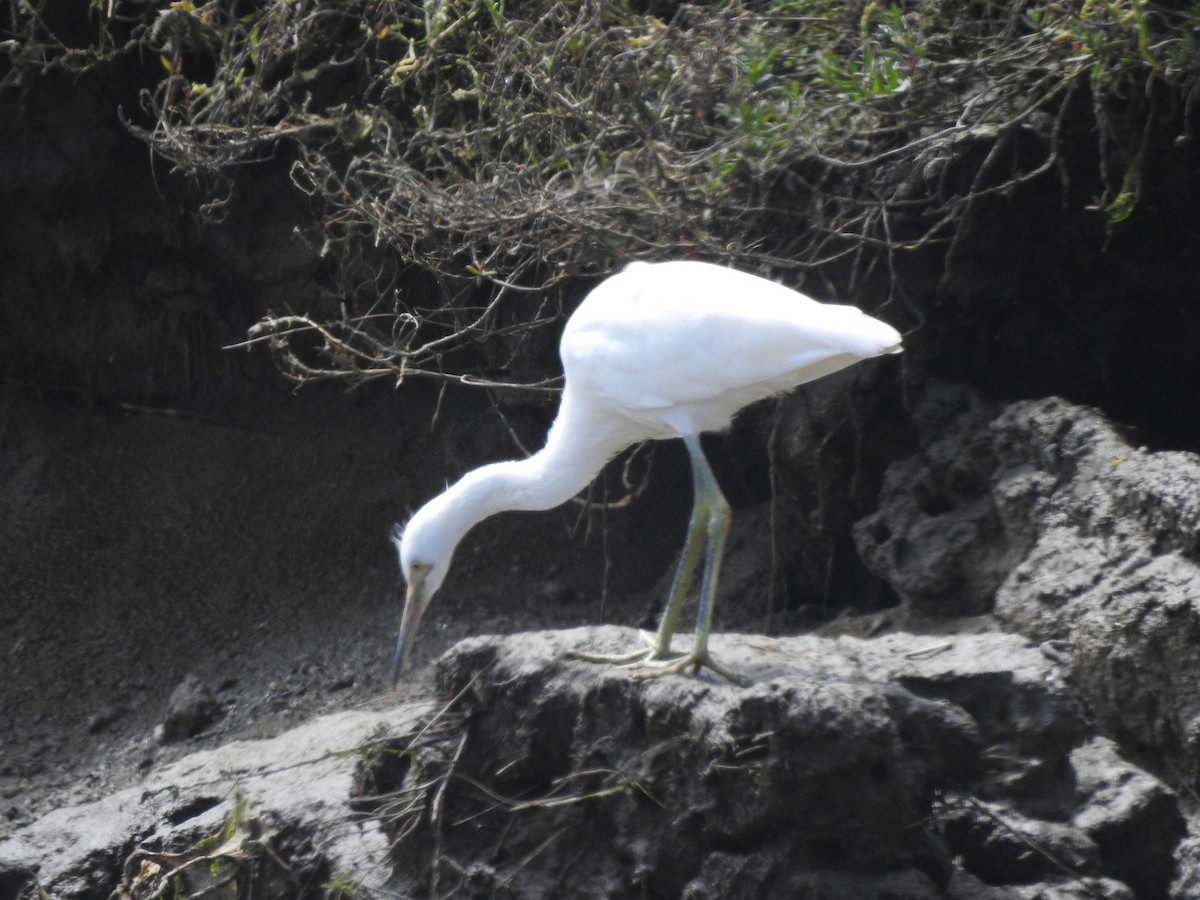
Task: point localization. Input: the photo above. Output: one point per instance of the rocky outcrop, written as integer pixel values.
(276, 811)
(901, 767)
(1042, 512)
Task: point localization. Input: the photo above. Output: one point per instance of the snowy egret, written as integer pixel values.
(657, 351)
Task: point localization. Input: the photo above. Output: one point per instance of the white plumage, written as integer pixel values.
(657, 351)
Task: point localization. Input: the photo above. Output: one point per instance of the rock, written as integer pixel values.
(936, 536)
(1072, 888)
(999, 844)
(1132, 816)
(191, 709)
(1124, 828)
(1113, 568)
(103, 717)
(820, 778)
(1042, 513)
(544, 776)
(294, 791)
(555, 591)
(1186, 884)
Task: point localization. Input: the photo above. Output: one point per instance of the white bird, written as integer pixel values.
(657, 351)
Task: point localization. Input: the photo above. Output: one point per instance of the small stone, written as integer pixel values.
(555, 591)
(343, 681)
(191, 710)
(103, 717)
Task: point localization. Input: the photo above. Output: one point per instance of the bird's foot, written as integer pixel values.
(655, 664)
(645, 655)
(696, 659)
(613, 659)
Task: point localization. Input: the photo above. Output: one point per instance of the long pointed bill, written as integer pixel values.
(415, 603)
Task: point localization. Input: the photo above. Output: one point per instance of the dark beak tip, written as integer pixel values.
(399, 666)
(414, 606)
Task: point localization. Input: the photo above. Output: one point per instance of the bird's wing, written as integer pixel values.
(697, 333)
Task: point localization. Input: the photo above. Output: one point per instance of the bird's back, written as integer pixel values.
(683, 345)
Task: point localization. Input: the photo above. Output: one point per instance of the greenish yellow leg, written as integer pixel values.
(710, 517)
(711, 512)
(660, 648)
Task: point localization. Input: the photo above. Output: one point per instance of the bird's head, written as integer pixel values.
(424, 565)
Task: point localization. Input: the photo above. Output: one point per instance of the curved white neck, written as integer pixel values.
(579, 444)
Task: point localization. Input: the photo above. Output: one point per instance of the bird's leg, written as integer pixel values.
(683, 574)
(710, 512)
(660, 647)
(707, 528)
